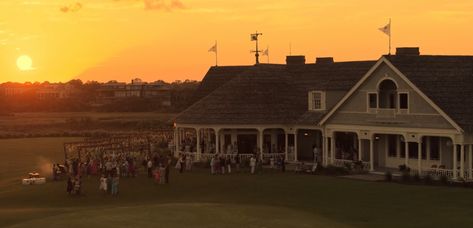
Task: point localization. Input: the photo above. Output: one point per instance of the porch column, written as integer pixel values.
(332, 149)
(295, 145)
(261, 138)
(325, 150)
(454, 169)
(178, 141)
(176, 146)
(217, 141)
(419, 157)
(470, 160)
(197, 156)
(462, 161)
(286, 138)
(359, 149)
(427, 148)
(371, 154)
(406, 149)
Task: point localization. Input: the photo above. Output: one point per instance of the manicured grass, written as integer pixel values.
(197, 199)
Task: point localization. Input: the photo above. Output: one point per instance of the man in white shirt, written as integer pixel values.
(252, 164)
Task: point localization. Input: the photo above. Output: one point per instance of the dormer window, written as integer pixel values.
(316, 100)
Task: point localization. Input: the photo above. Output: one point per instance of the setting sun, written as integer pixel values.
(24, 63)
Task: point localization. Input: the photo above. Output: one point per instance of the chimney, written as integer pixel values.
(295, 60)
(408, 51)
(324, 60)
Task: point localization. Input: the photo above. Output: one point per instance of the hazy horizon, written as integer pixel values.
(169, 39)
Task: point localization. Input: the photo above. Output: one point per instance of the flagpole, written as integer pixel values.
(216, 54)
(267, 49)
(390, 32)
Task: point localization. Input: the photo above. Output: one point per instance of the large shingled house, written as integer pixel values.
(404, 109)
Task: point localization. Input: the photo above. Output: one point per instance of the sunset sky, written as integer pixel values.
(169, 40)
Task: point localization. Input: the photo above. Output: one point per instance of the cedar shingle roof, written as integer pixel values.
(216, 77)
(446, 80)
(270, 94)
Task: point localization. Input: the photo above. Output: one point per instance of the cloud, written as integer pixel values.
(167, 5)
(72, 8)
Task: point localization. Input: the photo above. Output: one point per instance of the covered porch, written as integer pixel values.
(424, 153)
(269, 141)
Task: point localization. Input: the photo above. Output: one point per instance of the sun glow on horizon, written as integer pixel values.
(24, 63)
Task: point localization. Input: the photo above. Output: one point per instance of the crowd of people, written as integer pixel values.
(112, 159)
(116, 158)
(224, 164)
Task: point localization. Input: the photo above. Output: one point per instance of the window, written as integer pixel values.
(387, 94)
(373, 100)
(403, 101)
(316, 100)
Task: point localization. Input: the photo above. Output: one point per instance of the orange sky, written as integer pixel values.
(123, 39)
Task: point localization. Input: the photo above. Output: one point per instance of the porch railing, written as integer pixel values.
(208, 156)
(273, 155)
(446, 172)
(386, 113)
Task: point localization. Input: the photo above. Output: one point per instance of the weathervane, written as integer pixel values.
(254, 37)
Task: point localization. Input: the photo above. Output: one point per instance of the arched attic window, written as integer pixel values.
(387, 91)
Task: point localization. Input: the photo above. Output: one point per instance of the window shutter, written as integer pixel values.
(310, 97)
(322, 100)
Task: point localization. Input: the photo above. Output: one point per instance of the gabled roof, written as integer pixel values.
(270, 94)
(446, 80)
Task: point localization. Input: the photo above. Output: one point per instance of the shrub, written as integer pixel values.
(388, 176)
(417, 177)
(335, 170)
(428, 179)
(406, 176)
(444, 180)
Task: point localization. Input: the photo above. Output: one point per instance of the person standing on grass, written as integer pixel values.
(162, 174)
(188, 163)
(212, 165)
(283, 163)
(229, 164)
(103, 184)
(252, 164)
(316, 152)
(77, 186)
(168, 164)
(115, 182)
(149, 165)
(180, 164)
(69, 185)
(237, 163)
(222, 163)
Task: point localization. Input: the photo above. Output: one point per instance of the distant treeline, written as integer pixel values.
(82, 97)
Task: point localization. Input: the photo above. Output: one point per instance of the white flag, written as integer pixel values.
(213, 48)
(266, 52)
(386, 29)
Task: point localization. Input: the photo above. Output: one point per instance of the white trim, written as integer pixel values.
(382, 129)
(386, 77)
(352, 90)
(400, 110)
(426, 98)
(402, 76)
(369, 109)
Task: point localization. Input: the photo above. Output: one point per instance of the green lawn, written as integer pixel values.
(239, 200)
